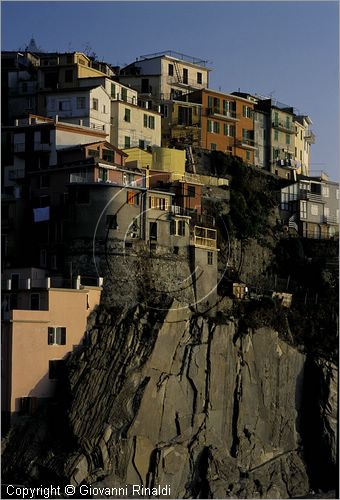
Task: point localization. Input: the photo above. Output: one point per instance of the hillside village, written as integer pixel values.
(119, 176)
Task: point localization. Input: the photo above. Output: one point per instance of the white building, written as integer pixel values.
(165, 75)
(91, 105)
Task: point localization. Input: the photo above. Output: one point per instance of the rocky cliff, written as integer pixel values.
(162, 397)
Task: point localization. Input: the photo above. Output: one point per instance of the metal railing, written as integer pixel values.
(75, 178)
(222, 113)
(289, 128)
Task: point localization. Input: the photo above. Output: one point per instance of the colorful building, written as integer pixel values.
(43, 320)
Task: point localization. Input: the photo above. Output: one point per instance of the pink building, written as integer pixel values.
(37, 335)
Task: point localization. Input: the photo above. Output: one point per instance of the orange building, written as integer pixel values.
(42, 322)
(227, 123)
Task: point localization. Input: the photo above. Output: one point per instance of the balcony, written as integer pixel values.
(51, 282)
(307, 195)
(284, 127)
(177, 210)
(188, 82)
(82, 179)
(310, 137)
(330, 219)
(225, 115)
(246, 143)
(205, 238)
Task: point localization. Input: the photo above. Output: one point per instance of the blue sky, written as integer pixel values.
(286, 49)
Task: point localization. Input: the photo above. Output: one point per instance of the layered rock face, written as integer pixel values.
(163, 397)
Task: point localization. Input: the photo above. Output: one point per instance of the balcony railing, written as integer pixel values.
(82, 179)
(310, 137)
(231, 115)
(307, 195)
(330, 219)
(177, 210)
(245, 143)
(285, 127)
(50, 282)
(204, 237)
(188, 82)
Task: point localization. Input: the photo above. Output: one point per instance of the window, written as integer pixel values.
(108, 155)
(95, 104)
(247, 112)
(127, 141)
(64, 106)
(56, 335)
(276, 135)
(216, 127)
(158, 203)
(177, 227)
(111, 221)
(170, 69)
(185, 75)
(287, 139)
(145, 89)
(113, 90)
(81, 102)
(132, 198)
(229, 130)
(56, 369)
(181, 228)
(124, 94)
(184, 115)
(199, 78)
(216, 102)
(326, 211)
(303, 209)
(276, 119)
(210, 258)
(141, 144)
(151, 122)
(104, 109)
(164, 110)
(337, 194)
(325, 191)
(314, 209)
(191, 191)
(35, 301)
(127, 115)
(300, 155)
(213, 147)
(210, 102)
(209, 125)
(93, 152)
(68, 75)
(153, 231)
(248, 155)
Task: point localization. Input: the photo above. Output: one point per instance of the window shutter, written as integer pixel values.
(62, 335)
(50, 338)
(172, 227)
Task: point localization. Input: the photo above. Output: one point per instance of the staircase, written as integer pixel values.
(190, 159)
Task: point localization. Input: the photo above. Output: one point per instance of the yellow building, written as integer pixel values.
(304, 137)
